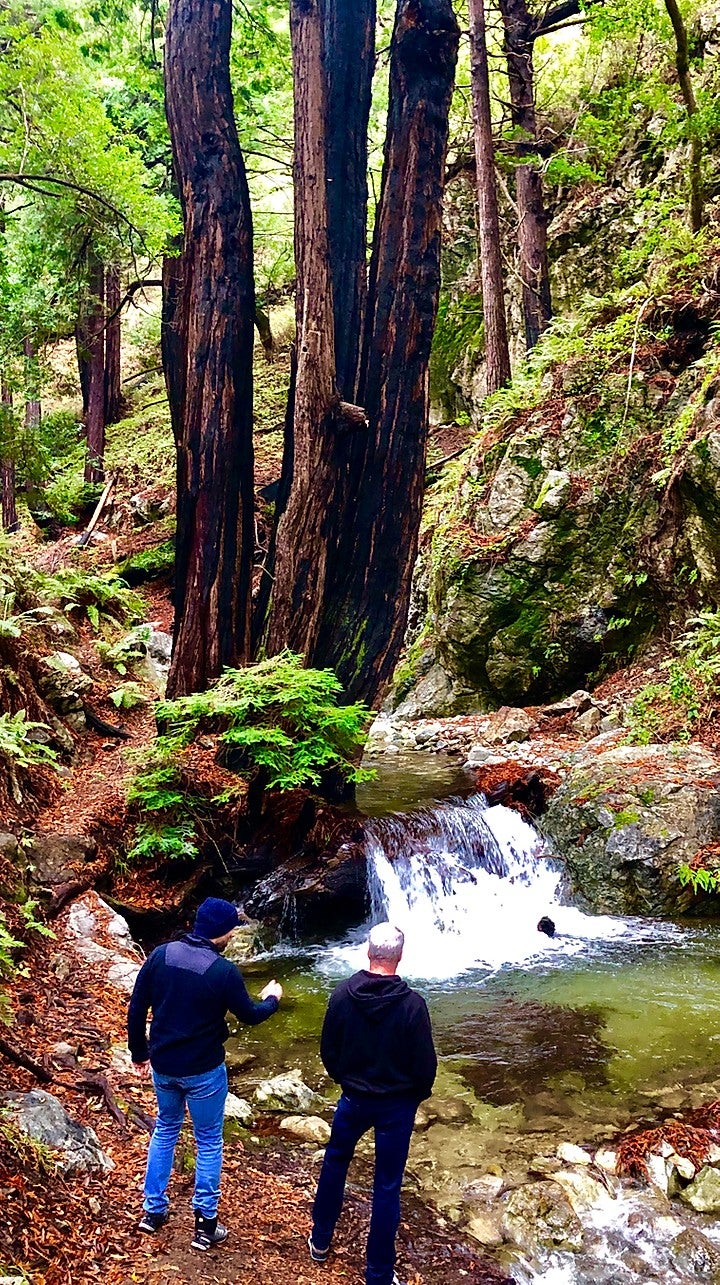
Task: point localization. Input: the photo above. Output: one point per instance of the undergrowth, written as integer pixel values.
(275, 721)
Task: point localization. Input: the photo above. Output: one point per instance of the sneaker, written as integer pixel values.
(208, 1232)
(396, 1280)
(151, 1223)
(318, 1255)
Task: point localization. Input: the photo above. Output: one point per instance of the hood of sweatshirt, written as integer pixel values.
(375, 993)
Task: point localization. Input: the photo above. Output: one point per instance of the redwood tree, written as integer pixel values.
(8, 510)
(348, 536)
(113, 297)
(521, 30)
(497, 352)
(95, 344)
(215, 518)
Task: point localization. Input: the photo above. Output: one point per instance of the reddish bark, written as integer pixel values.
(215, 509)
(521, 31)
(95, 413)
(171, 336)
(112, 346)
(497, 353)
(7, 470)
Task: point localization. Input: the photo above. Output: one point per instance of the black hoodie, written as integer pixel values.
(377, 1039)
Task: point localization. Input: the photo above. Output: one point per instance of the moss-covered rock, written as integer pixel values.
(625, 819)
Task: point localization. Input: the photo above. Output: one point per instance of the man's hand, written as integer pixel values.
(273, 990)
(142, 1069)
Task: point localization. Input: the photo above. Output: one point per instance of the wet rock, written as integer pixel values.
(696, 1256)
(508, 725)
(425, 1116)
(539, 1215)
(703, 1193)
(58, 858)
(238, 1061)
(45, 1120)
(285, 1092)
(486, 1228)
(625, 818)
(309, 1128)
(239, 1109)
(244, 943)
(452, 1111)
(487, 1188)
(606, 1160)
(572, 1155)
(582, 1190)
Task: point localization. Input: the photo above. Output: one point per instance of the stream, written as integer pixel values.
(540, 1040)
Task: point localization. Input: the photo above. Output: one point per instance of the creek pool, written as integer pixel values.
(585, 1035)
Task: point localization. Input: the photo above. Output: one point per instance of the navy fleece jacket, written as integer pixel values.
(189, 987)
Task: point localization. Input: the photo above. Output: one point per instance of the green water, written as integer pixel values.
(576, 1052)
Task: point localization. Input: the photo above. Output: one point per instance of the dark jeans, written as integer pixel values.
(393, 1124)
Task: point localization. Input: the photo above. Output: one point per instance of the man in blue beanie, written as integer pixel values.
(190, 988)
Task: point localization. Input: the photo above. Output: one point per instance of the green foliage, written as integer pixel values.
(281, 717)
(701, 879)
(275, 718)
(679, 704)
(148, 565)
(128, 696)
(459, 335)
(125, 653)
(17, 747)
(97, 595)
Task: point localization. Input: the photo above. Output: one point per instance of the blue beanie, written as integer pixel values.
(215, 917)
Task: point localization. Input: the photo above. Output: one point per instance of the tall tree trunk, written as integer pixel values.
(682, 63)
(95, 414)
(349, 61)
(497, 352)
(33, 410)
(7, 466)
(368, 595)
(306, 536)
(532, 220)
(215, 519)
(83, 360)
(112, 346)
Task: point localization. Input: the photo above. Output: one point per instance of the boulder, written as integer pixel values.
(285, 1092)
(58, 858)
(99, 936)
(626, 817)
(239, 1109)
(243, 944)
(158, 651)
(486, 1228)
(582, 1190)
(696, 1257)
(572, 1155)
(509, 725)
(64, 684)
(45, 1120)
(588, 724)
(703, 1193)
(309, 1128)
(539, 1215)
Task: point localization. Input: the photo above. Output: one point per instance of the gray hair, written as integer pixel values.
(386, 943)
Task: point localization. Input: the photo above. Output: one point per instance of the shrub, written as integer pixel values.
(95, 594)
(275, 719)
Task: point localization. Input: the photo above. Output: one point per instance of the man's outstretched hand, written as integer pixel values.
(273, 990)
(142, 1069)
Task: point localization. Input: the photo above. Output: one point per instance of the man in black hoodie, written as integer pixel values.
(377, 1044)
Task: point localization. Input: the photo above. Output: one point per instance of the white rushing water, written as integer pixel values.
(467, 884)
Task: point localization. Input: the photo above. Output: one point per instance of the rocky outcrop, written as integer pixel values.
(55, 859)
(64, 686)
(626, 817)
(99, 936)
(41, 1117)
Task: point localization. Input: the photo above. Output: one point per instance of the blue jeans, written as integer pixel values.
(393, 1124)
(205, 1097)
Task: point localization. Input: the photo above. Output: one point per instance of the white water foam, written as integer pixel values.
(467, 884)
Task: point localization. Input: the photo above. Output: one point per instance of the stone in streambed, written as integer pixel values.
(238, 1109)
(508, 725)
(540, 1215)
(309, 1128)
(703, 1193)
(486, 1228)
(696, 1257)
(285, 1092)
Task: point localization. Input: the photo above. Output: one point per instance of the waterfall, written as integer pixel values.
(467, 884)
